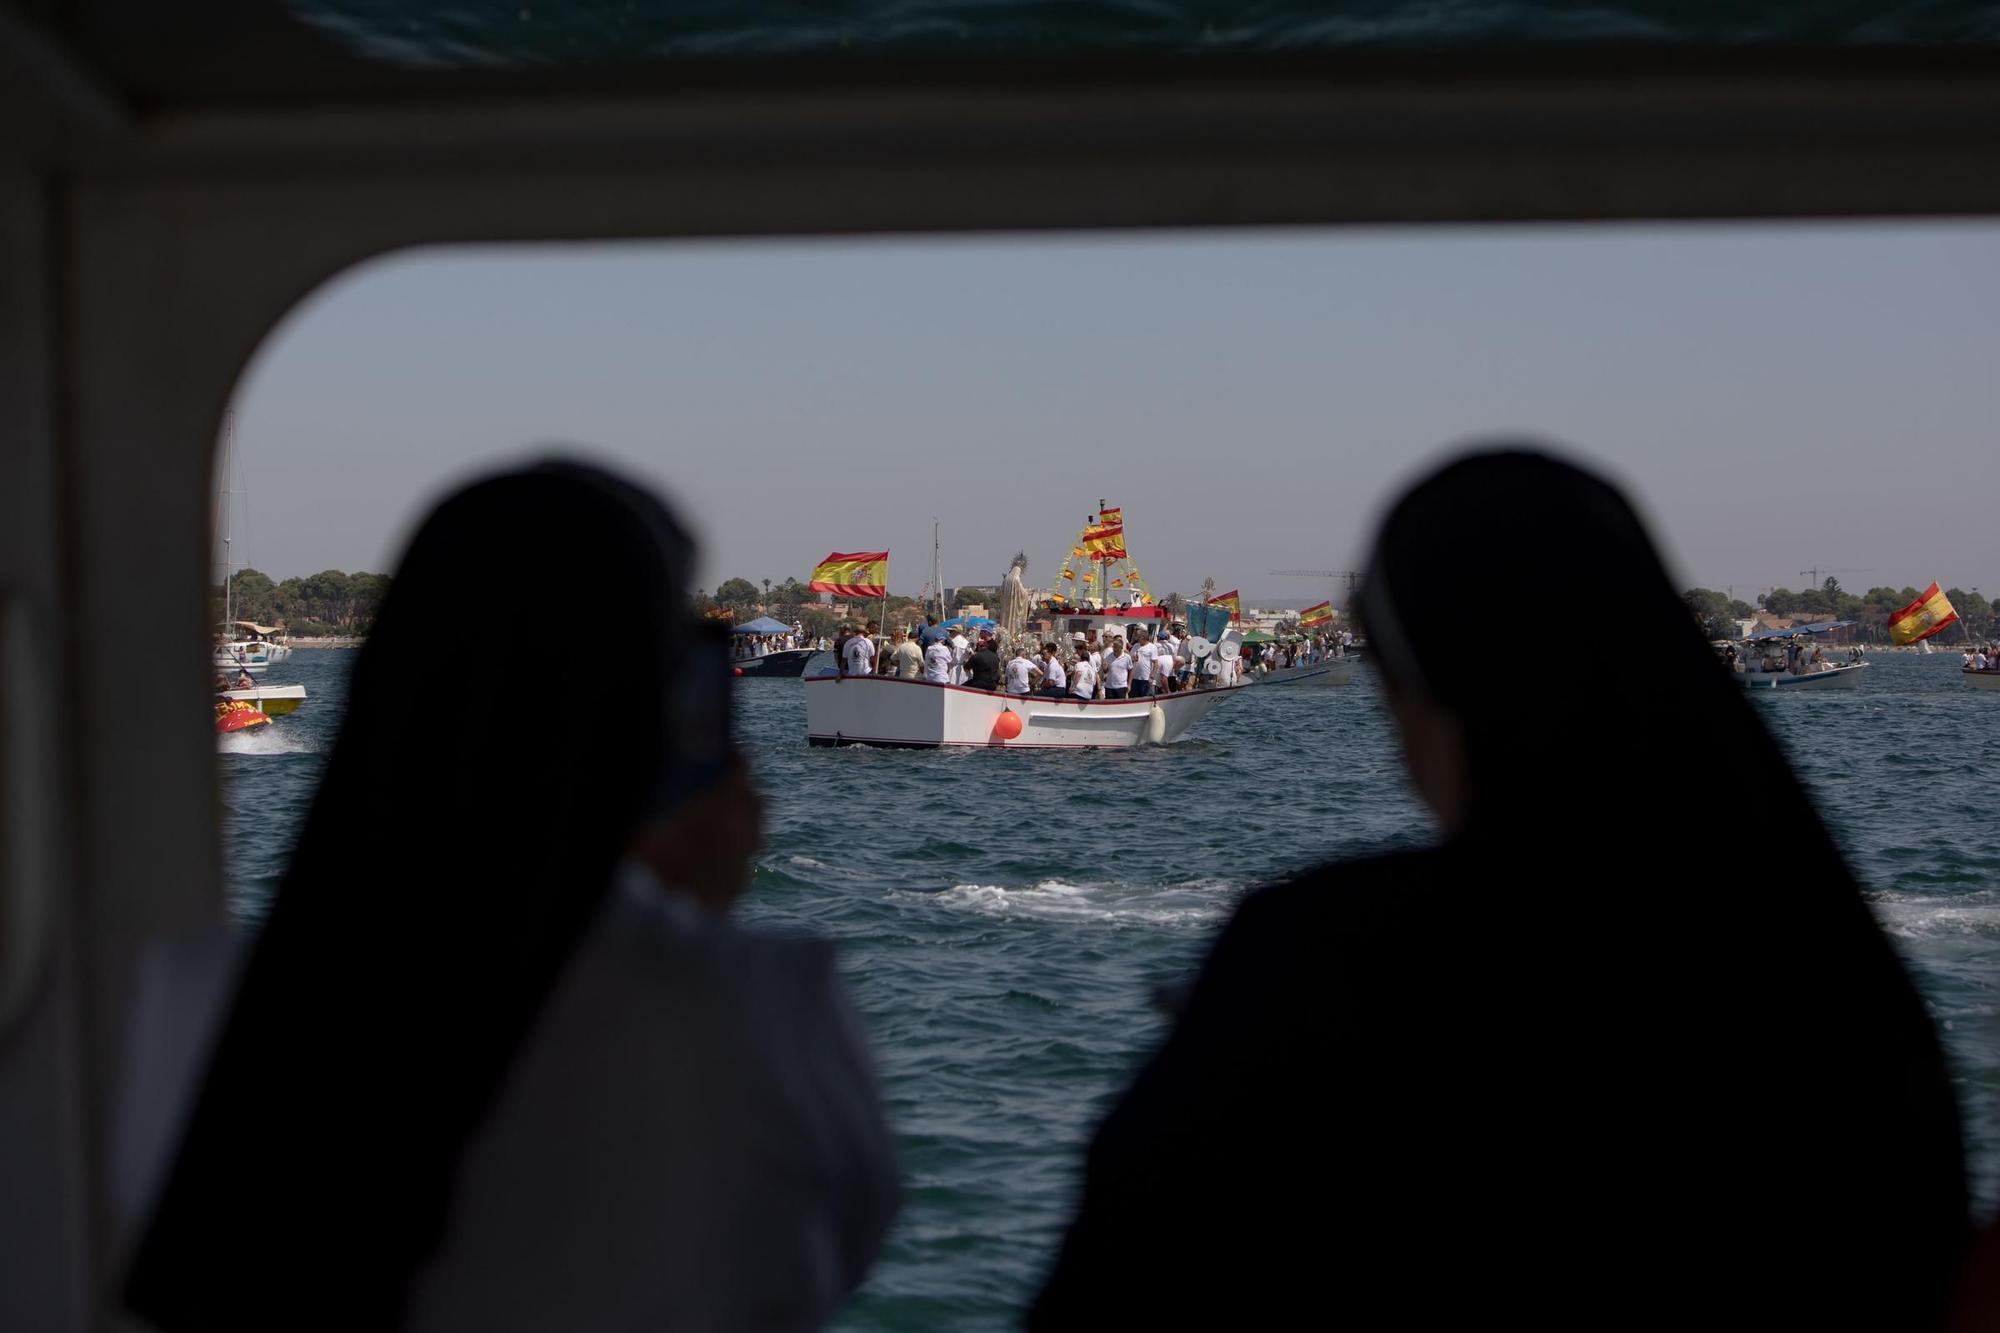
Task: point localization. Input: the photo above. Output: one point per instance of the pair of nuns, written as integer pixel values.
(500, 1058)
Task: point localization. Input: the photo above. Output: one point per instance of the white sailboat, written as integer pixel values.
(244, 646)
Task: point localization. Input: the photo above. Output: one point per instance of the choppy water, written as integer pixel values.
(1005, 977)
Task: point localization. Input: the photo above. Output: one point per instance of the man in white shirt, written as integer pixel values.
(909, 663)
(1143, 658)
(1020, 672)
(1980, 661)
(1083, 677)
(938, 667)
(1054, 679)
(960, 650)
(857, 657)
(1118, 672)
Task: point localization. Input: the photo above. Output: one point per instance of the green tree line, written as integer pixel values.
(327, 603)
(1870, 611)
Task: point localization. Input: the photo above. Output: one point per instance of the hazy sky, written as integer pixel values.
(1777, 397)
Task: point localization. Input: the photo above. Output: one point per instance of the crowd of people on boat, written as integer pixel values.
(1792, 657)
(1984, 657)
(1087, 664)
(744, 647)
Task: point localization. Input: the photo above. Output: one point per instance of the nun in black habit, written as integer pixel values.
(500, 1059)
(1625, 1047)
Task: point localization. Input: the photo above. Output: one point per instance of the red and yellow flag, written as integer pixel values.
(1078, 553)
(1105, 542)
(1113, 518)
(1922, 618)
(1230, 600)
(1315, 616)
(1067, 575)
(858, 574)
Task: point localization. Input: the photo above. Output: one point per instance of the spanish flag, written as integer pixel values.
(1066, 574)
(1314, 616)
(1922, 618)
(1106, 542)
(1078, 553)
(1230, 600)
(1112, 518)
(860, 574)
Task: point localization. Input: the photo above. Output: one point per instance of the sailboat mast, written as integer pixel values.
(228, 565)
(937, 586)
(1103, 566)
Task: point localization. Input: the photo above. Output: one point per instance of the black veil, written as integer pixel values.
(509, 722)
(1627, 1047)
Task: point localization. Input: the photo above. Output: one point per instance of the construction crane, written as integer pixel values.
(1814, 574)
(1352, 576)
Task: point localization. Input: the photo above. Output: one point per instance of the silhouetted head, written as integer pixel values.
(458, 847)
(1478, 579)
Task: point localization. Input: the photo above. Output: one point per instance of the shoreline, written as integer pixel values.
(328, 641)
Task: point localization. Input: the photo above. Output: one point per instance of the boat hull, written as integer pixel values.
(915, 714)
(1981, 680)
(276, 700)
(256, 666)
(1833, 678)
(237, 718)
(1324, 673)
(791, 662)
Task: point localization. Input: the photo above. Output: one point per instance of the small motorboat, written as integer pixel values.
(273, 700)
(234, 715)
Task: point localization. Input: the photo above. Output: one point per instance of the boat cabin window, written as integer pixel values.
(1248, 400)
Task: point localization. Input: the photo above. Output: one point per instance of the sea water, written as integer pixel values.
(1004, 916)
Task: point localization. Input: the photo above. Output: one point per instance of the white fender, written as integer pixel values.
(1156, 725)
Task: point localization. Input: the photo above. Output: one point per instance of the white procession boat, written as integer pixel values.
(918, 714)
(1791, 674)
(1843, 677)
(1337, 671)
